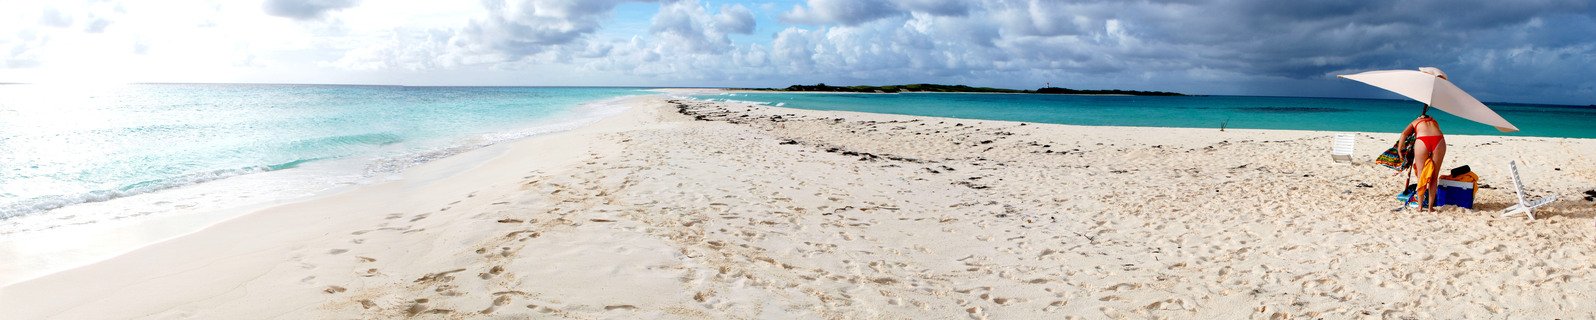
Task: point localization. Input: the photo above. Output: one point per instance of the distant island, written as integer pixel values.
(926, 87)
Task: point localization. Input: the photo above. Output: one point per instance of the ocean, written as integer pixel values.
(1289, 113)
(64, 146)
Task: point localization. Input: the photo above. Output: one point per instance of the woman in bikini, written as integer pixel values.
(1431, 148)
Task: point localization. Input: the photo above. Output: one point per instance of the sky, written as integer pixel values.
(1536, 51)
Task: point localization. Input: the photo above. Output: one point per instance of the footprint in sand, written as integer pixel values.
(496, 270)
(418, 309)
(541, 309)
(497, 302)
(976, 312)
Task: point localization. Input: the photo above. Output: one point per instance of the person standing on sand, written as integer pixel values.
(1428, 155)
(1432, 87)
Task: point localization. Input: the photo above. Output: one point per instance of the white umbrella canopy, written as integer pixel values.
(1429, 85)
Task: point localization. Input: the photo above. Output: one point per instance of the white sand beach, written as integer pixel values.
(692, 209)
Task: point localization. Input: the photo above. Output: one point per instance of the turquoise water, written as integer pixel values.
(61, 146)
(1371, 115)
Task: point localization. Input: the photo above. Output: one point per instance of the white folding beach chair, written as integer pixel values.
(1341, 148)
(1524, 205)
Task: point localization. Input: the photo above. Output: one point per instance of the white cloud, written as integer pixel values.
(404, 49)
(518, 28)
(855, 12)
(735, 19)
(688, 25)
(305, 9)
(795, 49)
(54, 18)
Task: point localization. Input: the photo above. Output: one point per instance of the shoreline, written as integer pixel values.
(79, 237)
(696, 209)
(847, 92)
(1325, 132)
(150, 258)
(692, 93)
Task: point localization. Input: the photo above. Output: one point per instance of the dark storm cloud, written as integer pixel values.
(1534, 50)
(1492, 45)
(1309, 38)
(305, 9)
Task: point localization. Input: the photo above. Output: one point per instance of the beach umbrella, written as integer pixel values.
(1429, 85)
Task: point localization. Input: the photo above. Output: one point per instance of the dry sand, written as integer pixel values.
(721, 210)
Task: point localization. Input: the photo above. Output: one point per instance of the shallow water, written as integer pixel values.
(1292, 113)
(62, 145)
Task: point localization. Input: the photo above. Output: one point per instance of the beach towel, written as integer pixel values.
(1397, 159)
(1407, 194)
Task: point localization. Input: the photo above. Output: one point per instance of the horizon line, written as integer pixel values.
(700, 87)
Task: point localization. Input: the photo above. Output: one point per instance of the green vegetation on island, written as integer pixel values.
(926, 87)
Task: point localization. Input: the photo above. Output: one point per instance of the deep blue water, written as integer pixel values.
(1328, 114)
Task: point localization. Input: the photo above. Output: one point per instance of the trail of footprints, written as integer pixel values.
(833, 248)
(1179, 243)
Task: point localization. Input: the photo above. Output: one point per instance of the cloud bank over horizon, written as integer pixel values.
(1523, 51)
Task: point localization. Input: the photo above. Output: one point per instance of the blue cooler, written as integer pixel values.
(1457, 193)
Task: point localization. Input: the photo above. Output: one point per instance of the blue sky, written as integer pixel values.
(1537, 51)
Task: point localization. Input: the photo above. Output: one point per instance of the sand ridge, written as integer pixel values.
(1128, 215)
